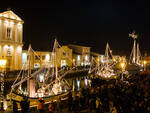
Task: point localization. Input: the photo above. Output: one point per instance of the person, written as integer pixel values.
(24, 105)
(51, 107)
(40, 106)
(59, 109)
(98, 102)
(70, 100)
(15, 107)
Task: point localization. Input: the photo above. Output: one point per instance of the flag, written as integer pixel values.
(133, 35)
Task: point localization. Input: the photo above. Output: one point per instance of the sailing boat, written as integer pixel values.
(52, 84)
(106, 70)
(103, 69)
(135, 56)
(135, 60)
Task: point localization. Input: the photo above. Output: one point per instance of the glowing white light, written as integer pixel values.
(47, 58)
(24, 57)
(41, 78)
(63, 63)
(2, 62)
(102, 58)
(86, 81)
(11, 47)
(86, 57)
(5, 105)
(78, 84)
(78, 58)
(11, 23)
(19, 49)
(6, 47)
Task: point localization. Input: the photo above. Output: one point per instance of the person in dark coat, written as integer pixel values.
(70, 100)
(24, 105)
(59, 106)
(15, 107)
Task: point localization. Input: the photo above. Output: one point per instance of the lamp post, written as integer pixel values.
(123, 68)
(2, 67)
(144, 62)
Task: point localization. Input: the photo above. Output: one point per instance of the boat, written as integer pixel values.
(135, 61)
(46, 82)
(104, 69)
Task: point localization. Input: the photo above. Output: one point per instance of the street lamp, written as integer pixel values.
(123, 65)
(2, 67)
(144, 62)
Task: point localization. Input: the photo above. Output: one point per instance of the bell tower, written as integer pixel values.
(11, 35)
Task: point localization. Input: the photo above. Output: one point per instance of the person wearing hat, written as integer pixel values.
(40, 106)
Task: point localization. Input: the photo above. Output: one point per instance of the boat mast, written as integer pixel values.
(55, 49)
(29, 70)
(134, 52)
(138, 55)
(107, 55)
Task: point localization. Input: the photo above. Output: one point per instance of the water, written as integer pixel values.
(79, 82)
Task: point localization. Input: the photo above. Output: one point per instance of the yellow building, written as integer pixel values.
(81, 54)
(11, 29)
(38, 59)
(64, 56)
(42, 58)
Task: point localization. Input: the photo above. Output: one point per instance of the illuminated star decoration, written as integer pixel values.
(133, 35)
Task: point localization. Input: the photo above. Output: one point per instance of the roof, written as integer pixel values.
(77, 45)
(10, 15)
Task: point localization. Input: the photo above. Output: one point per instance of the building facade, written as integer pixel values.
(43, 58)
(81, 54)
(11, 29)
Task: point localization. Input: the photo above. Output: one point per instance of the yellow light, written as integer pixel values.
(98, 59)
(3, 63)
(114, 59)
(47, 58)
(19, 25)
(122, 65)
(19, 49)
(145, 62)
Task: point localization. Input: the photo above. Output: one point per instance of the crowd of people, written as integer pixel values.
(131, 95)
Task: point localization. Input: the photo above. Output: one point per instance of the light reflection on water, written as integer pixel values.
(79, 82)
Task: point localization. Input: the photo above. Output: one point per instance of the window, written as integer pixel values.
(37, 57)
(8, 51)
(78, 58)
(8, 32)
(64, 53)
(47, 58)
(43, 57)
(86, 58)
(63, 63)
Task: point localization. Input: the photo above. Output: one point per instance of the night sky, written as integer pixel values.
(92, 23)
